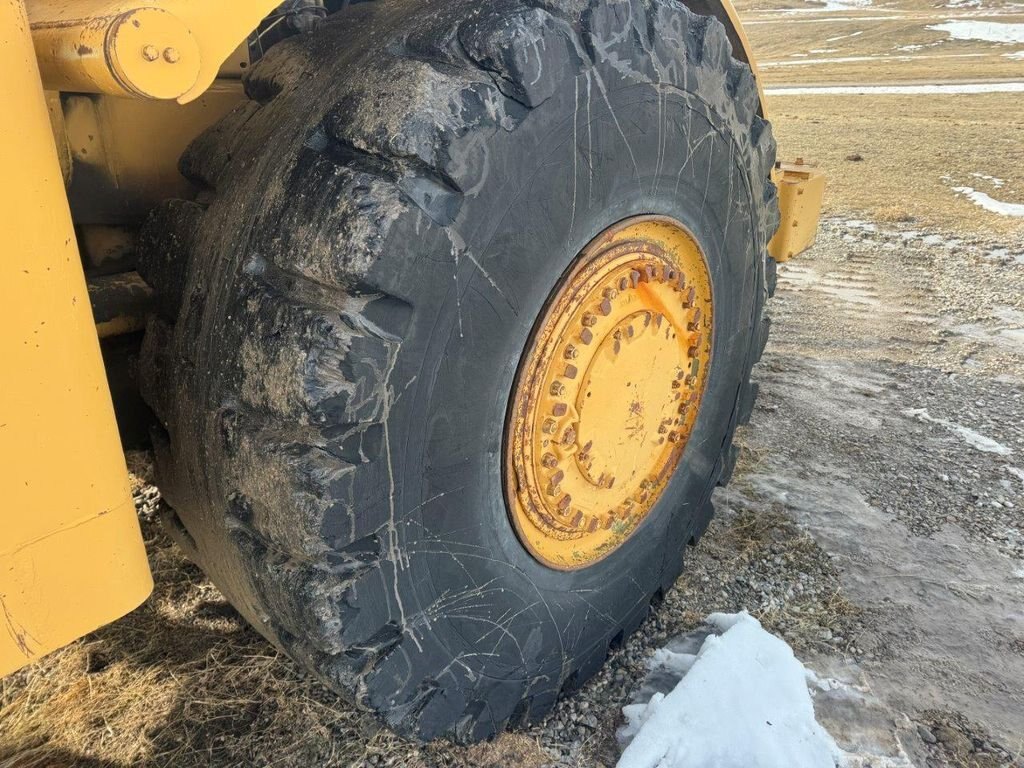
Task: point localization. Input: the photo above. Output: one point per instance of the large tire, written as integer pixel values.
(343, 310)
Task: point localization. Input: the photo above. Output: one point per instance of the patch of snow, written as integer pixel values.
(991, 179)
(969, 436)
(833, 50)
(990, 203)
(826, 20)
(873, 57)
(988, 31)
(843, 37)
(742, 702)
(843, 5)
(1015, 55)
(1018, 473)
(1016, 86)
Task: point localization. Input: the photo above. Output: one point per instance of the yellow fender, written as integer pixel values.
(71, 553)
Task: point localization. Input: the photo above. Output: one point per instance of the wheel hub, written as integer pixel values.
(608, 391)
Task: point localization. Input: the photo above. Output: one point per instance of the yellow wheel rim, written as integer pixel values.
(608, 391)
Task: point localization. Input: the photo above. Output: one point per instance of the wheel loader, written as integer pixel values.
(439, 317)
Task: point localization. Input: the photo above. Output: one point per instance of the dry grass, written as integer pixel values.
(909, 143)
(915, 149)
(183, 681)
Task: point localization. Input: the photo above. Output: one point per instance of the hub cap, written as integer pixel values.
(608, 391)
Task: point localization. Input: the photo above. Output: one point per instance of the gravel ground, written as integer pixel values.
(873, 523)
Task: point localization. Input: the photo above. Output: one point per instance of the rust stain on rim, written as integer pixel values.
(608, 391)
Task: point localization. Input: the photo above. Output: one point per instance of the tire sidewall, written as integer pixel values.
(536, 208)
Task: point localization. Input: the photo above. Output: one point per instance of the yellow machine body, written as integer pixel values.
(71, 554)
(801, 189)
(113, 90)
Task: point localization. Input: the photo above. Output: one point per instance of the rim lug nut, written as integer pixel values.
(610, 293)
(549, 461)
(571, 353)
(557, 388)
(550, 426)
(589, 320)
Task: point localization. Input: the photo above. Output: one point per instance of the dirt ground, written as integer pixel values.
(874, 521)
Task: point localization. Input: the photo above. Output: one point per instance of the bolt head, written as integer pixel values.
(171, 55)
(150, 53)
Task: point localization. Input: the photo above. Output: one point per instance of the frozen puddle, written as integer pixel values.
(989, 203)
(735, 696)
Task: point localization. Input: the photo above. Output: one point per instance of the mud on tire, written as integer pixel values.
(343, 309)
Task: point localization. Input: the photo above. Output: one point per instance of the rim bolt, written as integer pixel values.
(550, 426)
(610, 293)
(549, 461)
(557, 389)
(571, 353)
(589, 320)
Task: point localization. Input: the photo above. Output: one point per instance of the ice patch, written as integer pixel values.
(1018, 473)
(990, 203)
(1015, 86)
(866, 226)
(969, 436)
(742, 702)
(988, 31)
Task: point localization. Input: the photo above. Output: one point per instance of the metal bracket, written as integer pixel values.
(159, 49)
